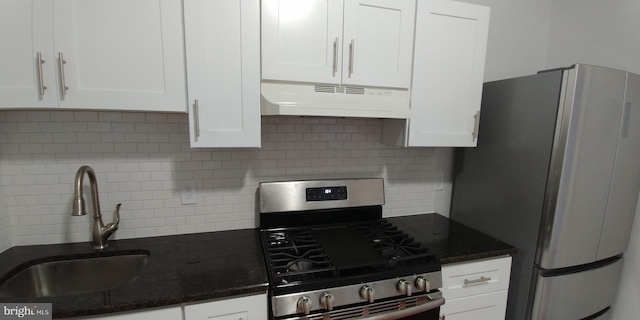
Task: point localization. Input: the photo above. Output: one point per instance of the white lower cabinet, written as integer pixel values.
(483, 306)
(172, 313)
(244, 308)
(476, 290)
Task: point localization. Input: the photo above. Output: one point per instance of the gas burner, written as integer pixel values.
(393, 244)
(294, 255)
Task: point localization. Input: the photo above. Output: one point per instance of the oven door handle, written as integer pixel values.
(396, 314)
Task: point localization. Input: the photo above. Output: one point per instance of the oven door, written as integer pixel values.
(423, 307)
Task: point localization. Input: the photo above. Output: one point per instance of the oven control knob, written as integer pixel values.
(327, 301)
(423, 284)
(304, 305)
(367, 293)
(404, 287)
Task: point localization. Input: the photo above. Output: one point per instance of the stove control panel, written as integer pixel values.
(327, 299)
(326, 193)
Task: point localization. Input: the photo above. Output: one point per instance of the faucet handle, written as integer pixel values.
(116, 216)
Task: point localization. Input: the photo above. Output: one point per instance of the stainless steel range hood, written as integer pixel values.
(305, 99)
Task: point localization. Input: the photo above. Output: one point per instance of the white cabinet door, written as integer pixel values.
(490, 306)
(223, 63)
(173, 313)
(25, 33)
(301, 40)
(245, 308)
(476, 289)
(120, 54)
(449, 57)
(378, 42)
(364, 42)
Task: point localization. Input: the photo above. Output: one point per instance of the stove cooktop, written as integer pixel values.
(333, 255)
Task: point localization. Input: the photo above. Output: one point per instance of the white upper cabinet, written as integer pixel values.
(223, 67)
(362, 43)
(448, 70)
(116, 55)
(378, 42)
(27, 74)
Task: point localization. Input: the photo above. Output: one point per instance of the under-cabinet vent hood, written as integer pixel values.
(302, 99)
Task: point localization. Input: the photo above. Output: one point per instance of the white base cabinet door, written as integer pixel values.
(448, 72)
(490, 306)
(245, 308)
(223, 67)
(476, 289)
(173, 313)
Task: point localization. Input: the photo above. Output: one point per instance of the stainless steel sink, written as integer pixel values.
(75, 276)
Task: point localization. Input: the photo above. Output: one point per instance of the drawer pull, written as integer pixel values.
(476, 281)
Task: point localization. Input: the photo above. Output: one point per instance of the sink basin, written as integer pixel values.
(75, 276)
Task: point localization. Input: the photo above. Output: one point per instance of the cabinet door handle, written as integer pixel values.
(335, 56)
(63, 83)
(351, 49)
(196, 120)
(41, 86)
(476, 281)
(476, 126)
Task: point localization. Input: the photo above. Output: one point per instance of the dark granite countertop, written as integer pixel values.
(193, 267)
(451, 241)
(181, 268)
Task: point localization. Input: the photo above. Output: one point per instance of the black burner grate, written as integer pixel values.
(296, 256)
(305, 255)
(393, 244)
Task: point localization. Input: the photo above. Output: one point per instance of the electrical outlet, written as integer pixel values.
(188, 193)
(439, 181)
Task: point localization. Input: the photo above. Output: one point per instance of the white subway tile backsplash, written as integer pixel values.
(142, 159)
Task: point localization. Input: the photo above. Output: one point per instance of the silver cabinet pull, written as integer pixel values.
(476, 281)
(351, 49)
(63, 83)
(625, 120)
(39, 63)
(335, 56)
(476, 126)
(196, 120)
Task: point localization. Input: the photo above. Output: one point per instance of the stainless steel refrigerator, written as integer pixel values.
(556, 173)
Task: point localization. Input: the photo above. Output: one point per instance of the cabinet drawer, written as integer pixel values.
(490, 306)
(478, 277)
(244, 308)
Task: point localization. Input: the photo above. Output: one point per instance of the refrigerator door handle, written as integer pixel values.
(625, 119)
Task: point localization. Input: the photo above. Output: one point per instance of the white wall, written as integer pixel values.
(595, 32)
(518, 37)
(141, 159)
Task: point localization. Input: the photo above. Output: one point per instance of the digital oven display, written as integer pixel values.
(326, 193)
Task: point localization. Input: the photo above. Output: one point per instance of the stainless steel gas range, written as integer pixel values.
(331, 255)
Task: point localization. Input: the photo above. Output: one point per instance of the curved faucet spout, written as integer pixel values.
(100, 231)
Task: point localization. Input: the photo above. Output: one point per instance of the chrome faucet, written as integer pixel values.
(100, 231)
